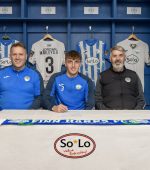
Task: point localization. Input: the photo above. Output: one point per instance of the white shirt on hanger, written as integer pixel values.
(48, 55)
(137, 54)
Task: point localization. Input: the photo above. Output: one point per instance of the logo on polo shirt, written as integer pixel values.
(27, 78)
(127, 79)
(78, 86)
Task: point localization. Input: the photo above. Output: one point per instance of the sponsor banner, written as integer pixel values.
(74, 122)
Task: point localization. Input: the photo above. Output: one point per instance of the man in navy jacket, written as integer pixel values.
(118, 87)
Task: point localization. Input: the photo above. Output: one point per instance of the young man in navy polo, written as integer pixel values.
(69, 90)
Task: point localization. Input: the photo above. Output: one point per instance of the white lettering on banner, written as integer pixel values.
(74, 145)
(56, 121)
(74, 122)
(78, 121)
(69, 121)
(87, 121)
(96, 121)
(35, 121)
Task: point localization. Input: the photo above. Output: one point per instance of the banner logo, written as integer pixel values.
(74, 145)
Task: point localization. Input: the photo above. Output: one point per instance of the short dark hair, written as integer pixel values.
(73, 55)
(18, 44)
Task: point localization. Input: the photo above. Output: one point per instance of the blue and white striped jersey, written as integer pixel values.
(93, 54)
(5, 51)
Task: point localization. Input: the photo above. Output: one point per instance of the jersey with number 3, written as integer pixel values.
(48, 57)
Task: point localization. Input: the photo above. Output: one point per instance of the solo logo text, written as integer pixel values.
(74, 145)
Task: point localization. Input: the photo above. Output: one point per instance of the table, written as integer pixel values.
(31, 147)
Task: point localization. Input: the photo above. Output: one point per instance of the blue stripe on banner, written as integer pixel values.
(75, 122)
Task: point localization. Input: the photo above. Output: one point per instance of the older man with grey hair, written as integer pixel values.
(118, 87)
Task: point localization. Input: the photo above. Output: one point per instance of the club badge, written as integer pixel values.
(127, 79)
(133, 46)
(78, 86)
(27, 78)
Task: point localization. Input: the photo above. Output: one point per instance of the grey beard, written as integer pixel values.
(118, 68)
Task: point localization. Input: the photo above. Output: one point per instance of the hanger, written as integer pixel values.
(5, 36)
(132, 36)
(91, 32)
(47, 37)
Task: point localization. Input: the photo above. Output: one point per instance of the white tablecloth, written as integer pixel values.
(125, 147)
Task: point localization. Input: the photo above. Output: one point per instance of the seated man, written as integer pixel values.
(69, 90)
(118, 87)
(20, 87)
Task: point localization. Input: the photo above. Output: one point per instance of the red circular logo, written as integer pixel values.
(74, 145)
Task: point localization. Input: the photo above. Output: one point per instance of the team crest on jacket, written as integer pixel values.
(27, 78)
(78, 86)
(128, 79)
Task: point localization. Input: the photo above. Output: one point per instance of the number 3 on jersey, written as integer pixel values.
(50, 68)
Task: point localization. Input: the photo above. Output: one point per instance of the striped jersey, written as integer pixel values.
(48, 56)
(137, 54)
(93, 57)
(5, 51)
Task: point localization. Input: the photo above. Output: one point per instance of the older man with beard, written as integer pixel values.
(118, 88)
